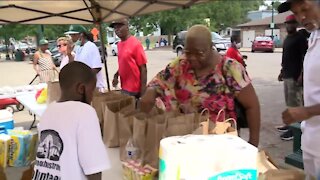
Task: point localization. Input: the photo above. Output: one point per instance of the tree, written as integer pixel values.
(226, 13)
(143, 24)
(276, 4)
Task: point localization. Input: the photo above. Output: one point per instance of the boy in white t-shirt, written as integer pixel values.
(70, 145)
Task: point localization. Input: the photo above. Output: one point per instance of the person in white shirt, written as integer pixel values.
(62, 44)
(70, 142)
(88, 53)
(74, 34)
(307, 13)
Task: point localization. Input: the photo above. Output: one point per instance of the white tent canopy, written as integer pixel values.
(82, 11)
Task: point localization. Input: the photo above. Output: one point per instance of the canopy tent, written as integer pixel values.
(83, 12)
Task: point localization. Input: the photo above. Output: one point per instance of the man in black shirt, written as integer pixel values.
(294, 49)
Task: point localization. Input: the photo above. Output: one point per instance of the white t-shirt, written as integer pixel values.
(70, 143)
(89, 54)
(65, 60)
(311, 70)
(76, 47)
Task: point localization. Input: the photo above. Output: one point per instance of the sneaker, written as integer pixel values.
(287, 136)
(282, 128)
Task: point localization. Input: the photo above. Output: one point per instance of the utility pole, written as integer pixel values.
(272, 20)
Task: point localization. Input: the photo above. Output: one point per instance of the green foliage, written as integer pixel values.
(222, 13)
(51, 32)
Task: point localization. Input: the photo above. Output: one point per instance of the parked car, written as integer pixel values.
(3, 48)
(56, 56)
(220, 44)
(178, 42)
(22, 46)
(263, 43)
(114, 48)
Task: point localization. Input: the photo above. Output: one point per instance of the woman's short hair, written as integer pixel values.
(199, 32)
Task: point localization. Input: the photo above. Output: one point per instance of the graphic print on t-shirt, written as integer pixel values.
(49, 152)
(50, 146)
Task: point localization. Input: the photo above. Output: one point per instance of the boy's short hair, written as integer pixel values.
(75, 72)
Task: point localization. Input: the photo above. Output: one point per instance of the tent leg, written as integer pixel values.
(104, 53)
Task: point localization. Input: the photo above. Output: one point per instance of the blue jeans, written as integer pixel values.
(136, 95)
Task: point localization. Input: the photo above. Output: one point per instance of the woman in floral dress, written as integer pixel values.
(202, 79)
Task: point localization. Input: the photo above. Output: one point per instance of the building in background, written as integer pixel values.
(261, 27)
(257, 15)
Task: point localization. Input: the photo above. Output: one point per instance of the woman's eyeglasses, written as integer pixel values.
(60, 45)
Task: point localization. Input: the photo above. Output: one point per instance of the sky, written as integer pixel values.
(269, 3)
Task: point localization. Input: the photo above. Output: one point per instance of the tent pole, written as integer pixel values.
(103, 52)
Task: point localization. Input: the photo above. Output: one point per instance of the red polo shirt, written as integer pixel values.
(130, 56)
(234, 53)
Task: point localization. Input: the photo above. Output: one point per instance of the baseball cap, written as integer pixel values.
(76, 29)
(120, 21)
(43, 42)
(286, 6)
(290, 18)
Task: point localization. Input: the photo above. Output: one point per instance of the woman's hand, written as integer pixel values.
(148, 100)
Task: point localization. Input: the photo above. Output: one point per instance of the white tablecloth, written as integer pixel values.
(20, 90)
(29, 102)
(14, 95)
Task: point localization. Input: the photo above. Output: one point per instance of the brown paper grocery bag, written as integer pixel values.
(111, 124)
(140, 122)
(156, 128)
(102, 107)
(27, 174)
(140, 131)
(97, 100)
(276, 174)
(54, 91)
(180, 124)
(203, 123)
(2, 174)
(228, 126)
(125, 129)
(264, 162)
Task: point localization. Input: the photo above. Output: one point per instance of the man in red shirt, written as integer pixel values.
(233, 51)
(132, 61)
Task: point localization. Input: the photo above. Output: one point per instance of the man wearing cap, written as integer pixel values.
(132, 61)
(307, 13)
(74, 33)
(87, 52)
(294, 49)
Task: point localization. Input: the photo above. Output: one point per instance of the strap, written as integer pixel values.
(219, 114)
(234, 122)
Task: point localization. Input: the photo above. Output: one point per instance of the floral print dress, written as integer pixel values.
(180, 89)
